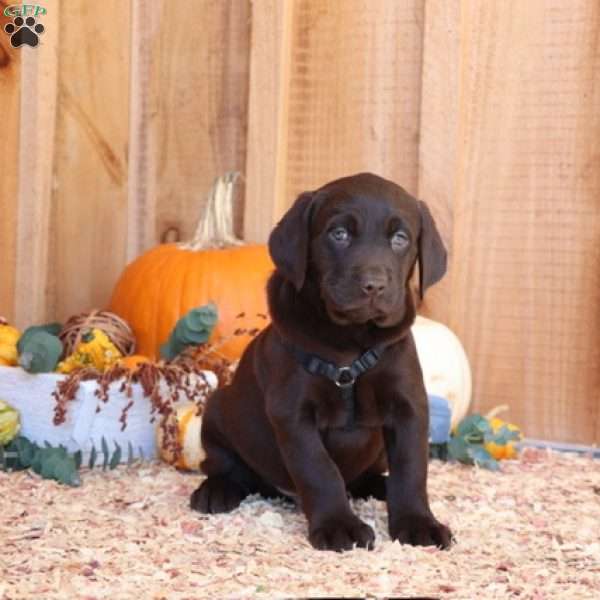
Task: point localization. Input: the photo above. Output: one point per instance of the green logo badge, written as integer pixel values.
(24, 29)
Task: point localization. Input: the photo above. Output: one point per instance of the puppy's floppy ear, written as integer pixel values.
(432, 252)
(289, 241)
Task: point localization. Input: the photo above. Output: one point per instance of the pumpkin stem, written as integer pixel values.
(496, 411)
(215, 227)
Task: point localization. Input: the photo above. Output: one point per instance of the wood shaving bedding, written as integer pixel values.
(530, 531)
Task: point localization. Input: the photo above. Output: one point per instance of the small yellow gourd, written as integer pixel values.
(95, 350)
(9, 423)
(188, 424)
(9, 336)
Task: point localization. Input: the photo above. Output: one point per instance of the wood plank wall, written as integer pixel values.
(115, 131)
(490, 111)
(510, 159)
(10, 96)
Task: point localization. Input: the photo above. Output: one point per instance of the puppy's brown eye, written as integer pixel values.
(399, 240)
(339, 235)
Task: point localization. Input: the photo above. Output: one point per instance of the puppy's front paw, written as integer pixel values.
(419, 530)
(217, 495)
(342, 533)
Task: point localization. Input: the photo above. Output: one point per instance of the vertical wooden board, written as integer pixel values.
(89, 213)
(438, 136)
(202, 53)
(270, 53)
(36, 154)
(143, 108)
(525, 289)
(10, 96)
(354, 93)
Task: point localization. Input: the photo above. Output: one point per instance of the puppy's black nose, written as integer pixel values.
(373, 285)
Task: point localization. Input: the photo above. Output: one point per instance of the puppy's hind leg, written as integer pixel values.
(229, 480)
(224, 487)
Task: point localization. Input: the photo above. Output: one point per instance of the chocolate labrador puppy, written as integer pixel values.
(330, 396)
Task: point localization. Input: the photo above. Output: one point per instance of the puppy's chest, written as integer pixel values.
(359, 408)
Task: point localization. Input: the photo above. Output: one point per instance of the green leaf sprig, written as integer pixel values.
(48, 461)
(467, 444)
(194, 328)
(40, 348)
(55, 462)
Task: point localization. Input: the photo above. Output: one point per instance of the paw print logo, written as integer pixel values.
(24, 31)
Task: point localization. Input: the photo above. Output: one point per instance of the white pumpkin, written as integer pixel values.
(188, 432)
(445, 365)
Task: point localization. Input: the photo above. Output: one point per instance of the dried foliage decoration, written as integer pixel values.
(163, 383)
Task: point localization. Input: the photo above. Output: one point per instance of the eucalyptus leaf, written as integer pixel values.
(202, 319)
(19, 454)
(478, 453)
(167, 351)
(55, 462)
(482, 458)
(489, 463)
(48, 465)
(36, 461)
(26, 451)
(194, 328)
(50, 328)
(474, 437)
(93, 457)
(130, 457)
(187, 334)
(106, 454)
(74, 479)
(184, 334)
(458, 449)
(116, 457)
(473, 424)
(40, 352)
(66, 471)
(503, 436)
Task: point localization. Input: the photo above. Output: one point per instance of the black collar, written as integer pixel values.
(344, 377)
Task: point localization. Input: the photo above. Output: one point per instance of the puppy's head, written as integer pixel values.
(358, 239)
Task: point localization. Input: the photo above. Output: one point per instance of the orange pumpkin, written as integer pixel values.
(133, 361)
(160, 286)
